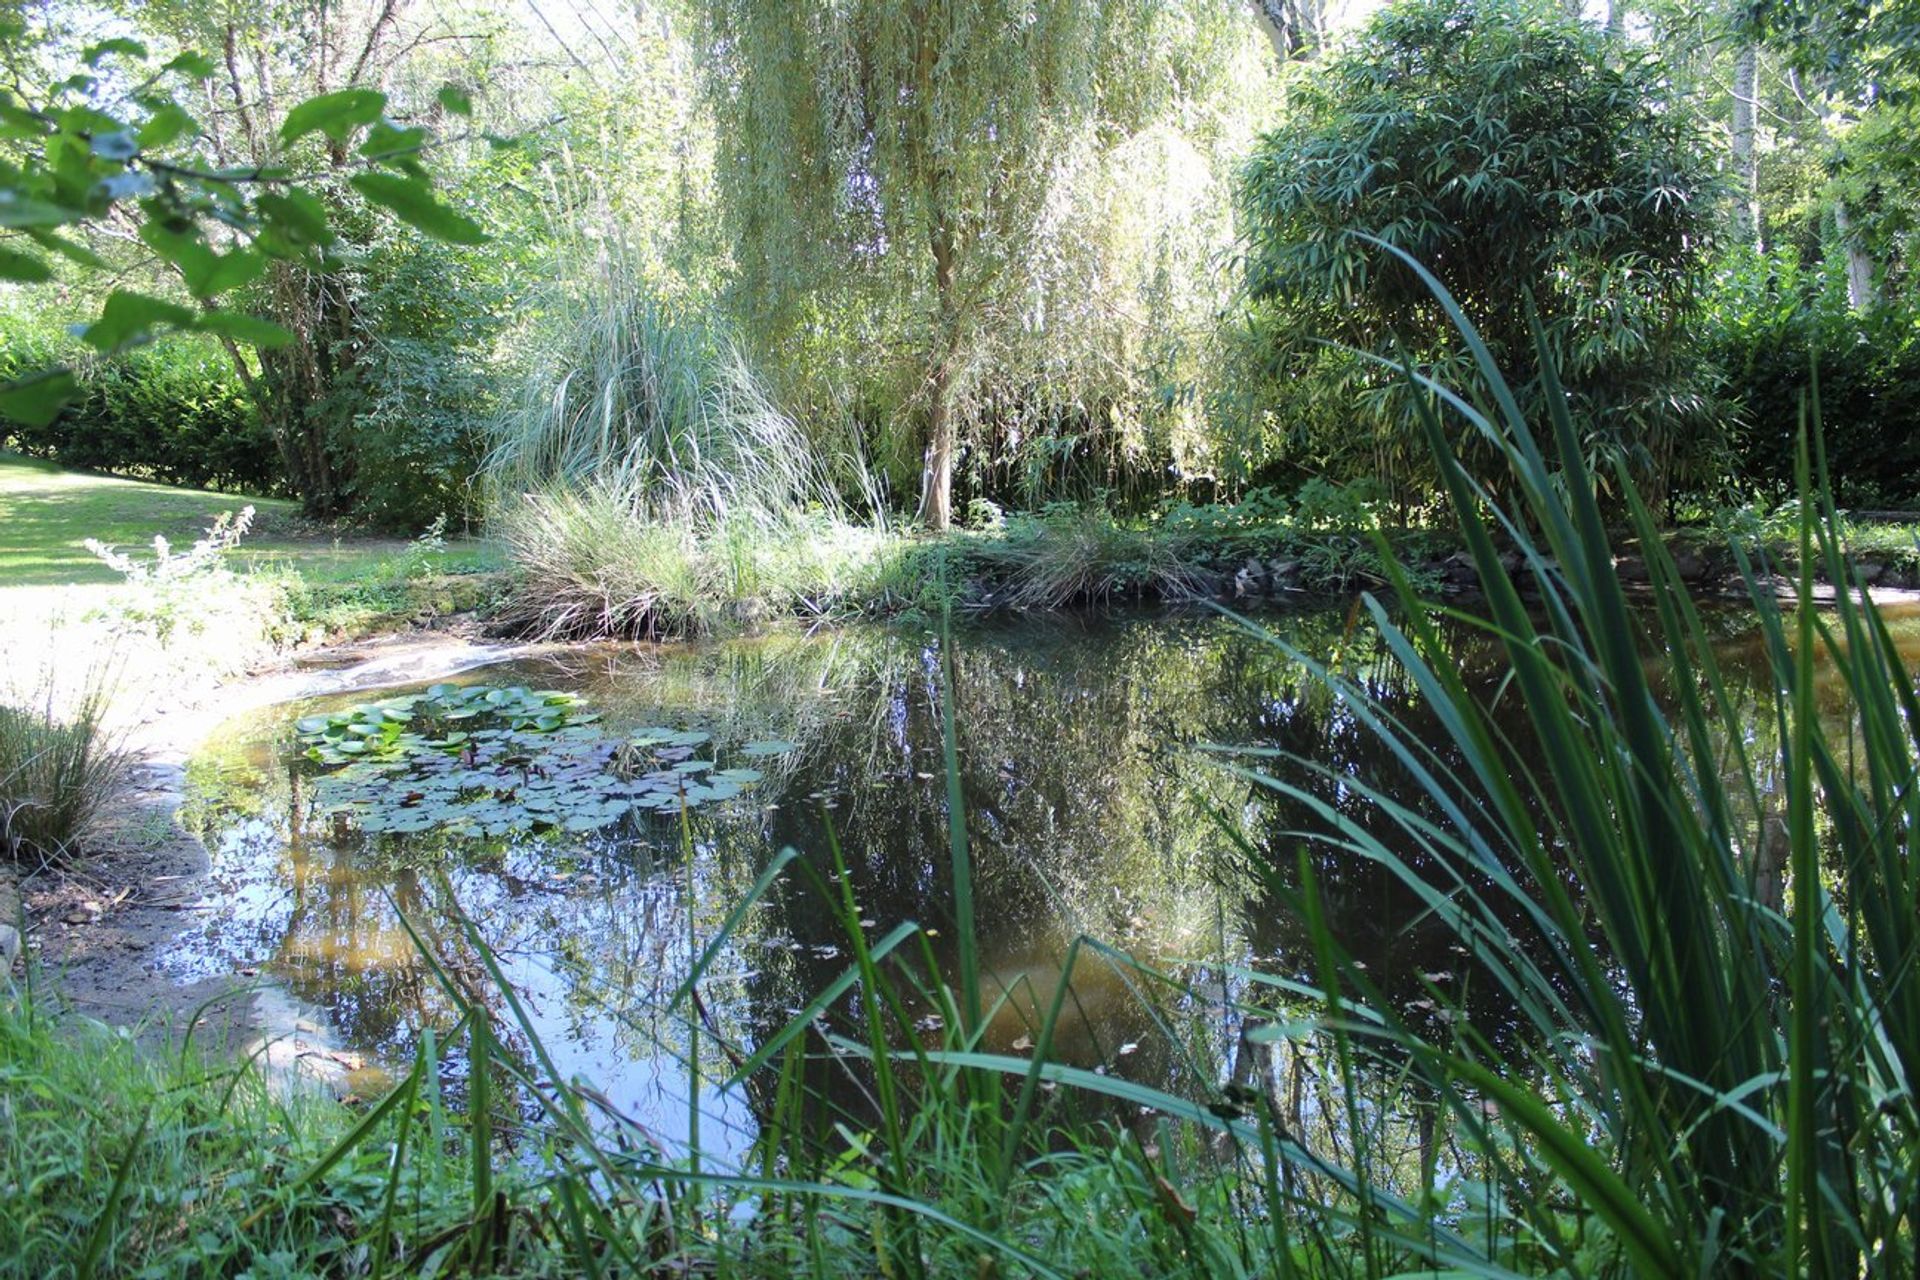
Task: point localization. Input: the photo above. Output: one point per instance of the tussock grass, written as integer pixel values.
(1082, 555)
(587, 563)
(60, 769)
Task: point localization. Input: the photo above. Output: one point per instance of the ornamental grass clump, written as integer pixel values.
(59, 771)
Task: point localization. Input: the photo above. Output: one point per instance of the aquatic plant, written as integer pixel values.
(493, 761)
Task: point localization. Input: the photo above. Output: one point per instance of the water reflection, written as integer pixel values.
(1089, 811)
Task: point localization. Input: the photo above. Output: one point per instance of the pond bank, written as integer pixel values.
(94, 926)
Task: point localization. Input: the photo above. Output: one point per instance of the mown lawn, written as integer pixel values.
(46, 514)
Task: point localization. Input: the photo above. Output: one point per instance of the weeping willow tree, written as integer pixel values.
(895, 159)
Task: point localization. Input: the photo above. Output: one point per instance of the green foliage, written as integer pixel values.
(587, 564)
(1716, 1085)
(173, 411)
(643, 400)
(120, 1161)
(118, 137)
(865, 153)
(176, 594)
(406, 424)
(1774, 326)
(397, 729)
(492, 762)
(1524, 156)
(60, 770)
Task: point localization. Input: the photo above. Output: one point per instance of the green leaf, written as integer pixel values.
(23, 267)
(125, 186)
(335, 114)
(244, 328)
(121, 144)
(121, 45)
(205, 272)
(387, 144)
(456, 100)
(129, 317)
(413, 202)
(71, 250)
(37, 399)
(17, 210)
(193, 65)
(168, 124)
(296, 215)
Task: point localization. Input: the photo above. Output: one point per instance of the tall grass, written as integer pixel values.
(61, 768)
(1719, 1086)
(116, 1161)
(647, 482)
(661, 407)
(587, 564)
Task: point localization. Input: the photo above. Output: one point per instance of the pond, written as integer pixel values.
(1094, 807)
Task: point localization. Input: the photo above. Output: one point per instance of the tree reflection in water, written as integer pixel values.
(1091, 811)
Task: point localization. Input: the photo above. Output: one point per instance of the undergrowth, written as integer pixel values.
(118, 1162)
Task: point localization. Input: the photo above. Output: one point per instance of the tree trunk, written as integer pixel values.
(1292, 27)
(936, 468)
(1861, 293)
(1748, 228)
(1616, 20)
(936, 471)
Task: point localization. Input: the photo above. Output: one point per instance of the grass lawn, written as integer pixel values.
(47, 513)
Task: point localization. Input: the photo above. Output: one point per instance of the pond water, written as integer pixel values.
(1093, 807)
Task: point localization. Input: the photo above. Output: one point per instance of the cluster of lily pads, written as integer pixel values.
(493, 761)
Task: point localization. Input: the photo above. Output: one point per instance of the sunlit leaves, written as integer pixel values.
(125, 47)
(87, 149)
(128, 317)
(338, 115)
(413, 202)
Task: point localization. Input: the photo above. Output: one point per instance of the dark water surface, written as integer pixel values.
(1093, 808)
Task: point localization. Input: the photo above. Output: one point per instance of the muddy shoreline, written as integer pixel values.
(95, 928)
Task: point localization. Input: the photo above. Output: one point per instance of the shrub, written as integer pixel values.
(1521, 153)
(58, 773)
(1770, 323)
(175, 590)
(173, 411)
(409, 425)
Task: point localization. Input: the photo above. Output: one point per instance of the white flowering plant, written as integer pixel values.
(162, 591)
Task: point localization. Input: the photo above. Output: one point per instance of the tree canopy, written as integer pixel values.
(1536, 169)
(909, 151)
